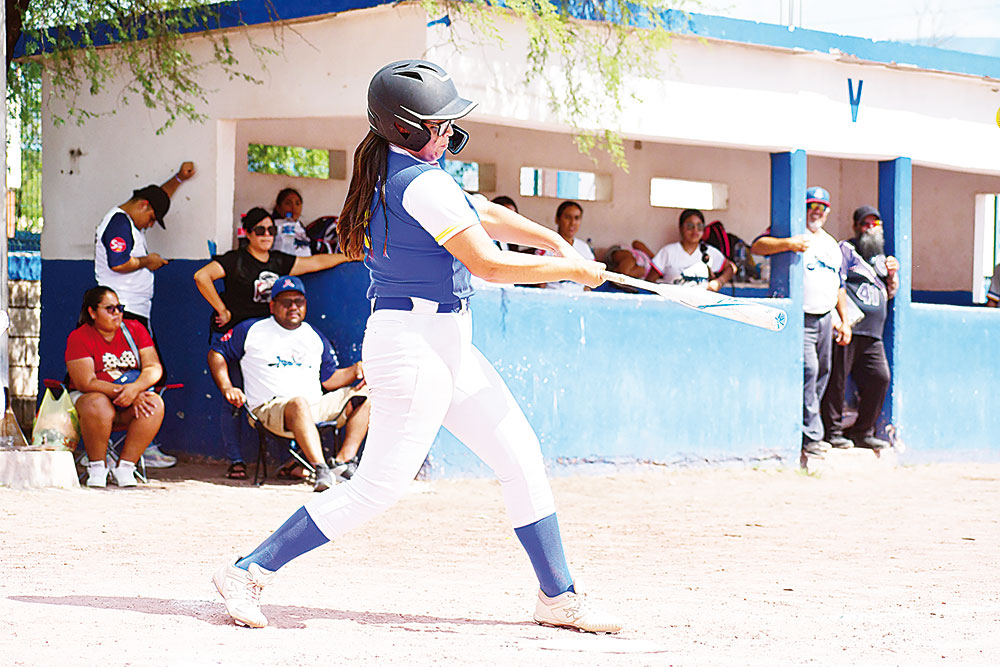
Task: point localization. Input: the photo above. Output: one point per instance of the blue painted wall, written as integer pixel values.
(600, 376)
(947, 379)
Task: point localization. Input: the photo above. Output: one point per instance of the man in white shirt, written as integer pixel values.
(823, 291)
(568, 217)
(286, 365)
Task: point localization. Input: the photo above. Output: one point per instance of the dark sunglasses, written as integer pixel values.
(111, 310)
(261, 230)
(294, 301)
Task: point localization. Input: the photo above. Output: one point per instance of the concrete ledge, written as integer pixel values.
(852, 461)
(21, 469)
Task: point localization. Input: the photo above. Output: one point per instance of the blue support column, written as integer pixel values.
(788, 218)
(895, 202)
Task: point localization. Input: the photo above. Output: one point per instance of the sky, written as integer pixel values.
(957, 24)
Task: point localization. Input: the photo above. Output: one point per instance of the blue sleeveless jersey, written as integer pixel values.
(412, 264)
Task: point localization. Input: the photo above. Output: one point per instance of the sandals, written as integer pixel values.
(237, 470)
(293, 471)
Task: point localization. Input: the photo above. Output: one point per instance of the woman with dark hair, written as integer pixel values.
(287, 215)
(569, 214)
(248, 274)
(692, 261)
(111, 364)
(421, 236)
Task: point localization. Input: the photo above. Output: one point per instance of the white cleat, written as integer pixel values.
(240, 589)
(573, 610)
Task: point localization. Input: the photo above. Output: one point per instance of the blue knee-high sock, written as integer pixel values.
(544, 546)
(295, 537)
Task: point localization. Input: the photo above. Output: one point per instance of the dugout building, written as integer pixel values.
(751, 113)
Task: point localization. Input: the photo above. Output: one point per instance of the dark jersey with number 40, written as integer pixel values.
(866, 286)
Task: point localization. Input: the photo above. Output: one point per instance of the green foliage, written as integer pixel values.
(288, 161)
(27, 78)
(584, 65)
(151, 51)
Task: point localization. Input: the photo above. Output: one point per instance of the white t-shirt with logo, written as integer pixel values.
(292, 238)
(821, 282)
(680, 268)
(116, 241)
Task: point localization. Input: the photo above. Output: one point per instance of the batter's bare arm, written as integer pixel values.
(503, 224)
(474, 248)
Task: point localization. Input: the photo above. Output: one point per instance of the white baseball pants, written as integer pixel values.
(423, 372)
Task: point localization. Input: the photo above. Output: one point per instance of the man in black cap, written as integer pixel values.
(121, 260)
(871, 279)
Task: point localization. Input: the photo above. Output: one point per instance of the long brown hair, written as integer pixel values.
(371, 166)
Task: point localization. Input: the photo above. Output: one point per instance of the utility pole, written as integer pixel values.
(4, 296)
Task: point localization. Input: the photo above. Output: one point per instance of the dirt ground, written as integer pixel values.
(888, 566)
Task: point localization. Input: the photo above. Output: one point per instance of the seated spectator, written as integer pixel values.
(286, 365)
(111, 364)
(506, 202)
(292, 237)
(247, 274)
(993, 295)
(691, 261)
(568, 217)
(636, 261)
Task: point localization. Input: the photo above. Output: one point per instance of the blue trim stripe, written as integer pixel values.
(257, 12)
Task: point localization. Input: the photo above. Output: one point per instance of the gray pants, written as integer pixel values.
(817, 350)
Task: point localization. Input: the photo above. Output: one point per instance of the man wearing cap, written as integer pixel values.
(286, 365)
(871, 279)
(823, 292)
(121, 260)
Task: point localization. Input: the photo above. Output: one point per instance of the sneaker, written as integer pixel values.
(324, 478)
(572, 610)
(124, 476)
(154, 458)
(840, 442)
(97, 476)
(345, 471)
(871, 442)
(241, 590)
(815, 447)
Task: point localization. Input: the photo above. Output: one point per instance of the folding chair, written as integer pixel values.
(114, 443)
(294, 451)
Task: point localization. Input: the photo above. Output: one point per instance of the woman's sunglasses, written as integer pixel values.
(700, 226)
(261, 230)
(440, 128)
(111, 310)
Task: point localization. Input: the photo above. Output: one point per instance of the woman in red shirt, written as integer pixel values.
(108, 384)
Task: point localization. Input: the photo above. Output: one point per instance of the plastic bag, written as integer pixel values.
(56, 425)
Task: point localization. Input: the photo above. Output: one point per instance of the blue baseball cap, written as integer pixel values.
(287, 284)
(817, 195)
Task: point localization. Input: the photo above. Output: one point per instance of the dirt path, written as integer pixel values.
(721, 567)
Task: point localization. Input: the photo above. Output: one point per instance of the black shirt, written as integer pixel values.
(248, 283)
(866, 286)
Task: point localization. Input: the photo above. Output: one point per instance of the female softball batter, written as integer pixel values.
(420, 236)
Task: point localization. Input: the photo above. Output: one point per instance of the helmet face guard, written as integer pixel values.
(404, 94)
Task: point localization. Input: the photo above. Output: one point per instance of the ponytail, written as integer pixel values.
(371, 166)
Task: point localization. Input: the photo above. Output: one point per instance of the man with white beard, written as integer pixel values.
(871, 279)
(823, 290)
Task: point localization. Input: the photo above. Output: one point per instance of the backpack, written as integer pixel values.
(735, 250)
(322, 234)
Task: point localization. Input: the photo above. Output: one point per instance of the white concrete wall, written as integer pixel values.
(715, 116)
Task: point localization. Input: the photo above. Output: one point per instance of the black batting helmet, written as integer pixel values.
(404, 94)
